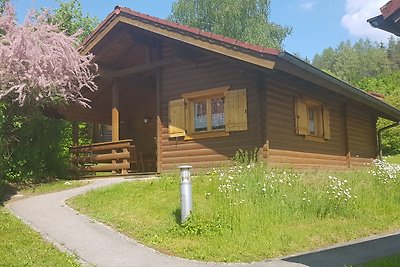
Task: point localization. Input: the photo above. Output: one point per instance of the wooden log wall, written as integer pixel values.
(362, 132)
(353, 134)
(301, 160)
(270, 117)
(280, 118)
(206, 73)
(298, 159)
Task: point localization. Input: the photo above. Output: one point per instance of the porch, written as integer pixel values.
(118, 157)
(124, 140)
(127, 102)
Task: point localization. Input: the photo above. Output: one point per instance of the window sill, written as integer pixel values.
(314, 138)
(206, 135)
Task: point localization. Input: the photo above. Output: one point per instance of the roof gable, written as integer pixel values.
(258, 55)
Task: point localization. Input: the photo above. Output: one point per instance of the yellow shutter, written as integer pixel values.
(176, 116)
(236, 110)
(326, 121)
(301, 117)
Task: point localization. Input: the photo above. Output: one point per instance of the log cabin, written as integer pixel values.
(389, 19)
(178, 95)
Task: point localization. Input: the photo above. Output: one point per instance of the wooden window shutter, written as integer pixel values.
(236, 110)
(326, 122)
(301, 117)
(176, 118)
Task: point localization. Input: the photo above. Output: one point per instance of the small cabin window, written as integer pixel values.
(208, 113)
(312, 119)
(200, 115)
(217, 113)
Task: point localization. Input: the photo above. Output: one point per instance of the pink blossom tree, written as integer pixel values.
(40, 64)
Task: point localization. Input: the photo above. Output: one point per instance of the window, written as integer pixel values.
(312, 113)
(217, 113)
(208, 113)
(312, 119)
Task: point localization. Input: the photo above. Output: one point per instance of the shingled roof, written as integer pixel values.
(123, 11)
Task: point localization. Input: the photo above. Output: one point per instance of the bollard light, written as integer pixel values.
(186, 192)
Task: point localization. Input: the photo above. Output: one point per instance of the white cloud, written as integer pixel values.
(307, 6)
(355, 20)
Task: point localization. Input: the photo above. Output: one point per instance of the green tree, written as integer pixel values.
(245, 20)
(387, 85)
(371, 67)
(353, 62)
(2, 5)
(70, 18)
(393, 50)
(34, 147)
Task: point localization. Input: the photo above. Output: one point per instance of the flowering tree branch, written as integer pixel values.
(40, 64)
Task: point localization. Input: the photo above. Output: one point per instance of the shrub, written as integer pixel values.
(33, 147)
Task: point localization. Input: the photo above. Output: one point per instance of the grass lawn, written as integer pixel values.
(393, 159)
(21, 246)
(393, 261)
(249, 212)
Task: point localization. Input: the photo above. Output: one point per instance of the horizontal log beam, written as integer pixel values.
(101, 146)
(303, 155)
(107, 167)
(116, 73)
(316, 161)
(101, 158)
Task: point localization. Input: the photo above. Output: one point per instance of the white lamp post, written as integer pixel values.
(186, 192)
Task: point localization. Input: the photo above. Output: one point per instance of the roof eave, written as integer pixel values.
(388, 25)
(338, 86)
(110, 17)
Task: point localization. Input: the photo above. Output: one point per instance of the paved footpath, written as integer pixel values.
(98, 245)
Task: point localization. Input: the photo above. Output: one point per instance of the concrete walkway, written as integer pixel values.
(96, 244)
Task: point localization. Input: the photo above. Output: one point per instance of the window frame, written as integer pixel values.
(321, 119)
(207, 95)
(318, 118)
(181, 113)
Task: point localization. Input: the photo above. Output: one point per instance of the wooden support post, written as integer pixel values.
(159, 125)
(348, 159)
(115, 119)
(125, 171)
(114, 162)
(263, 108)
(115, 113)
(266, 151)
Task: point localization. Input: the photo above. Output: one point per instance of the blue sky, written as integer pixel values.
(317, 24)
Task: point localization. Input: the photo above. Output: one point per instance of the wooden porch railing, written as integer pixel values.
(108, 156)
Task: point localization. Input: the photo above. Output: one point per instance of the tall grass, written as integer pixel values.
(249, 212)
